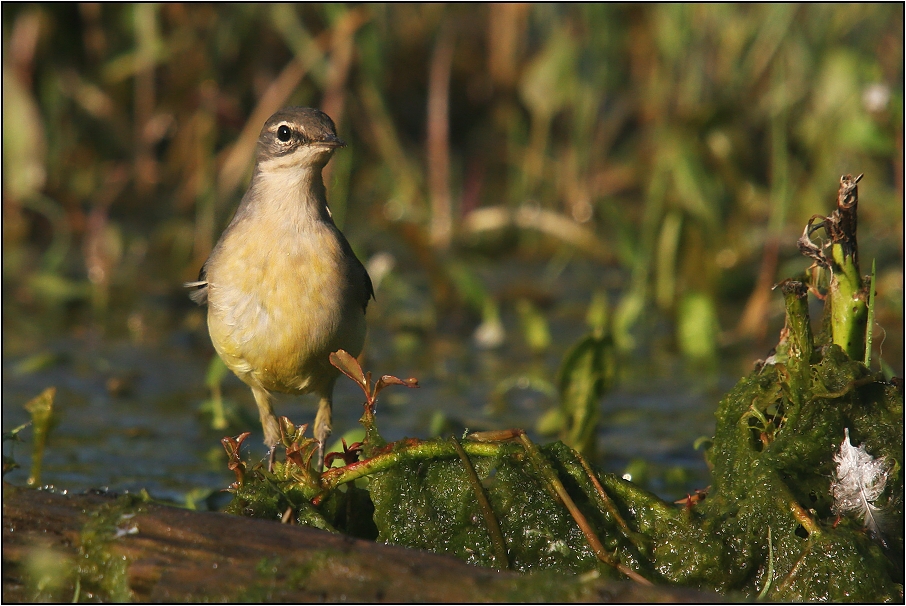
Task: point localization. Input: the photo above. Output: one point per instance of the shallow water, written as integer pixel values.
(130, 410)
(154, 436)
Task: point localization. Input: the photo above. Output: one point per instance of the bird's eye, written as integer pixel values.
(284, 133)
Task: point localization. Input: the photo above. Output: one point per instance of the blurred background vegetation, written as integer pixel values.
(511, 169)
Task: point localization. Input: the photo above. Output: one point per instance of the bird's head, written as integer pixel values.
(297, 137)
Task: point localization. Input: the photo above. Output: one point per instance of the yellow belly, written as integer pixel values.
(277, 310)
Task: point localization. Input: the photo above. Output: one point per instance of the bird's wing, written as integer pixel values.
(370, 287)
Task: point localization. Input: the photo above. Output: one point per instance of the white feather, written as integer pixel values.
(860, 481)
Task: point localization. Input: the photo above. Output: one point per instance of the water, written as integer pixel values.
(130, 409)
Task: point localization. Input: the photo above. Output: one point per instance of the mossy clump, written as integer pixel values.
(773, 464)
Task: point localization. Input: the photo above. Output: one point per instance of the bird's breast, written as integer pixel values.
(277, 303)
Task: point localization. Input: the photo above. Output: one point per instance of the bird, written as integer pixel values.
(282, 285)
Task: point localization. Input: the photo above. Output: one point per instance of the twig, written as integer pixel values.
(604, 501)
(497, 540)
(403, 450)
(547, 472)
(803, 518)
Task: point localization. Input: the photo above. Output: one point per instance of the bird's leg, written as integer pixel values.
(323, 421)
(271, 456)
(269, 423)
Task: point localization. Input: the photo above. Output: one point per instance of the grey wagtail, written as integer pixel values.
(282, 285)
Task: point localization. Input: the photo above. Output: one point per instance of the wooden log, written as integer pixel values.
(98, 547)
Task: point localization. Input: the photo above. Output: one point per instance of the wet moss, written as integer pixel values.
(773, 463)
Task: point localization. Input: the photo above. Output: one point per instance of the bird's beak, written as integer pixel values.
(332, 141)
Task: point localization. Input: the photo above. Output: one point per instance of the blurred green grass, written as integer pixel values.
(687, 144)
